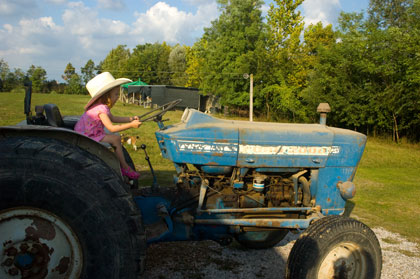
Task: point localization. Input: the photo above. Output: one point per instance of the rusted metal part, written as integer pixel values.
(306, 191)
(347, 189)
(63, 265)
(295, 178)
(40, 229)
(203, 191)
(262, 223)
(261, 210)
(37, 244)
(30, 259)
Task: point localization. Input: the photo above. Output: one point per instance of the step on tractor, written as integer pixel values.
(67, 212)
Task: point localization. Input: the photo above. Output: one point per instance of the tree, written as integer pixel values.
(150, 63)
(317, 39)
(370, 77)
(281, 95)
(88, 71)
(38, 76)
(68, 72)
(116, 62)
(394, 53)
(178, 64)
(15, 80)
(229, 51)
(4, 71)
(341, 76)
(389, 13)
(194, 62)
(74, 85)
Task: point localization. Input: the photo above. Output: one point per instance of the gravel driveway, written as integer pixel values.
(209, 260)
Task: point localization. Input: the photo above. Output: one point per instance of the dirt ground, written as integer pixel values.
(209, 260)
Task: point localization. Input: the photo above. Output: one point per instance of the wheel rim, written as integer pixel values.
(37, 244)
(345, 260)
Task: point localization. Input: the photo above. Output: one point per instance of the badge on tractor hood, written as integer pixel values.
(289, 150)
(201, 146)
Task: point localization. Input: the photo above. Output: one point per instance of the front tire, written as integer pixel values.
(335, 247)
(65, 214)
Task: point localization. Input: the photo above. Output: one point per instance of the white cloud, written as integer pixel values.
(7, 8)
(56, 2)
(325, 11)
(8, 28)
(38, 26)
(200, 2)
(17, 7)
(111, 4)
(89, 29)
(163, 22)
(83, 33)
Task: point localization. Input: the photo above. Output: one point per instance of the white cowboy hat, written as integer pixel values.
(101, 84)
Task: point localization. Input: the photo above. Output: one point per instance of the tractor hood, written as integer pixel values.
(205, 140)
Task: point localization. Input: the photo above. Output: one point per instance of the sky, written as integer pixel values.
(52, 33)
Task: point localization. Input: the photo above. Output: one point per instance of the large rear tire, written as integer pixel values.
(65, 214)
(335, 247)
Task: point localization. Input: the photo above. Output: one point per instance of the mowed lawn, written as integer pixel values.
(388, 178)
(388, 187)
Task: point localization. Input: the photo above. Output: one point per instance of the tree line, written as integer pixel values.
(366, 67)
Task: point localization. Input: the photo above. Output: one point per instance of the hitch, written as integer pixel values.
(155, 185)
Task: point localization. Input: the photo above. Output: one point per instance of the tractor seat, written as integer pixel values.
(54, 118)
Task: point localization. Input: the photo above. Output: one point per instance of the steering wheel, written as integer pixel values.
(157, 113)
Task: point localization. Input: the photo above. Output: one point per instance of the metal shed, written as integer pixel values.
(162, 94)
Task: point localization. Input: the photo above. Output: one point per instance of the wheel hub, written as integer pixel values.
(345, 260)
(37, 244)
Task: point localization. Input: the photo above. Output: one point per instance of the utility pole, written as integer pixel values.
(251, 94)
(251, 97)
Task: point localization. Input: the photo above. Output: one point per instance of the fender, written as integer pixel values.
(103, 151)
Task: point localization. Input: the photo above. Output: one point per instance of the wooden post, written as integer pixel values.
(251, 97)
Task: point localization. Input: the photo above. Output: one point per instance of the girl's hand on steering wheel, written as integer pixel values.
(135, 123)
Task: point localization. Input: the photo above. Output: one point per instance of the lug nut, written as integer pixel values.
(14, 271)
(24, 247)
(11, 252)
(8, 262)
(39, 259)
(34, 250)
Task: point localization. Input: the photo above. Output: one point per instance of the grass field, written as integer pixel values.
(388, 183)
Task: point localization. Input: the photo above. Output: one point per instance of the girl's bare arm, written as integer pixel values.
(118, 127)
(122, 119)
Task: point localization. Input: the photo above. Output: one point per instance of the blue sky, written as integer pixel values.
(52, 33)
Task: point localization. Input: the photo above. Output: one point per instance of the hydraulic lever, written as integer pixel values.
(155, 185)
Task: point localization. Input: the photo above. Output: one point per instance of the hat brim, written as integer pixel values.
(106, 88)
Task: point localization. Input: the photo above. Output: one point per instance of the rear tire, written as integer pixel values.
(49, 188)
(335, 247)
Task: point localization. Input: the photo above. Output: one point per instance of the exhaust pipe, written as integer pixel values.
(323, 109)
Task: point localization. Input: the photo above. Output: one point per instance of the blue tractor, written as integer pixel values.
(66, 211)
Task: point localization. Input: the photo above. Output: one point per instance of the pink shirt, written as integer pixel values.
(90, 124)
